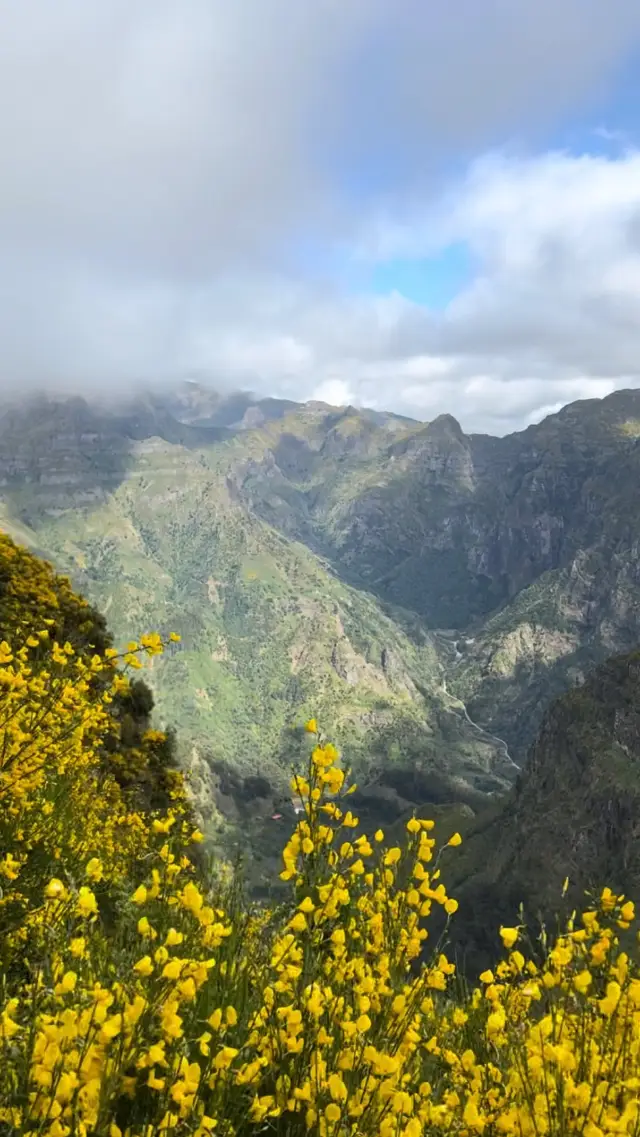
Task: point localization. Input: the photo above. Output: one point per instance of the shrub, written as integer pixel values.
(141, 996)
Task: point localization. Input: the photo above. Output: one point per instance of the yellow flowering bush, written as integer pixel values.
(62, 801)
(195, 1013)
(38, 608)
(138, 997)
(61, 814)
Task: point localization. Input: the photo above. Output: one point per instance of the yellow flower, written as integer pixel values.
(140, 895)
(608, 899)
(471, 1116)
(173, 969)
(191, 898)
(337, 1088)
(164, 826)
(517, 960)
(225, 1057)
(111, 1028)
(611, 999)
(55, 889)
(496, 1021)
(10, 867)
(582, 981)
(454, 840)
(86, 904)
(509, 936)
(398, 1005)
(94, 870)
(311, 726)
(144, 966)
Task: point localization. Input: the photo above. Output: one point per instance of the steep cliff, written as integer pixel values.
(526, 546)
(574, 812)
(390, 576)
(149, 516)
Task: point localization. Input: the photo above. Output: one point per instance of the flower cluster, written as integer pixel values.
(139, 996)
(61, 747)
(197, 1013)
(57, 805)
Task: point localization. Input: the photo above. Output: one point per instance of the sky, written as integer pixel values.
(423, 206)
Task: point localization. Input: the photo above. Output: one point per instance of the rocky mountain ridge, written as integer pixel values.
(527, 545)
(394, 577)
(148, 516)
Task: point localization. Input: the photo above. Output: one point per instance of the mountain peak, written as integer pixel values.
(445, 424)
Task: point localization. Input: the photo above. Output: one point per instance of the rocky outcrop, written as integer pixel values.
(575, 811)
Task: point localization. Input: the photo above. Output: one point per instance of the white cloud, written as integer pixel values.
(336, 392)
(552, 316)
(553, 313)
(168, 165)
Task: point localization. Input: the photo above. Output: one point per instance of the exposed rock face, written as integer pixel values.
(164, 524)
(575, 811)
(529, 545)
(526, 547)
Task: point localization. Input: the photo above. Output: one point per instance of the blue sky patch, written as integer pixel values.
(432, 281)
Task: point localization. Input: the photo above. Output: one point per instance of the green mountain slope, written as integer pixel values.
(381, 573)
(156, 531)
(526, 545)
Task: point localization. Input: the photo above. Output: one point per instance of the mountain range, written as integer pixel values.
(426, 594)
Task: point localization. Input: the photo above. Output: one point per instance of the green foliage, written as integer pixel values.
(142, 992)
(33, 597)
(308, 562)
(269, 631)
(179, 1008)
